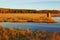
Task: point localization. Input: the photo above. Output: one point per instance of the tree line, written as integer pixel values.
(5, 10)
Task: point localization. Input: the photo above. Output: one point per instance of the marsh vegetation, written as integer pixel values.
(21, 34)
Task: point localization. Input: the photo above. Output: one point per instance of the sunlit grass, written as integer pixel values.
(21, 34)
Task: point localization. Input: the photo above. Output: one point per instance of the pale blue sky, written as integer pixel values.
(31, 4)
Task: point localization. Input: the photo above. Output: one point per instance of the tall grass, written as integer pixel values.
(21, 34)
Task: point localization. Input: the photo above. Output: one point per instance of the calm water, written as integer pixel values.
(35, 26)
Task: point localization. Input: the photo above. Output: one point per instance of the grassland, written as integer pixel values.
(20, 34)
(26, 17)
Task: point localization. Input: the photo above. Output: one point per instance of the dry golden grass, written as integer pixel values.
(25, 18)
(20, 34)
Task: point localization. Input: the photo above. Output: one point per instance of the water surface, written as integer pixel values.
(35, 26)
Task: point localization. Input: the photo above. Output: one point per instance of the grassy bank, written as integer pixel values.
(40, 18)
(21, 34)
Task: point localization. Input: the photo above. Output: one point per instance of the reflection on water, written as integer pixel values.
(57, 18)
(35, 26)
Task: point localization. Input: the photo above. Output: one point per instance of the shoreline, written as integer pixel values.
(38, 18)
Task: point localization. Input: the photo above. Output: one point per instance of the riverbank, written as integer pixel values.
(38, 18)
(21, 34)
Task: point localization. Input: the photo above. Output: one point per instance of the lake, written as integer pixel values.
(35, 26)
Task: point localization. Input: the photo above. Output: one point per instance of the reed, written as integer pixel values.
(21, 34)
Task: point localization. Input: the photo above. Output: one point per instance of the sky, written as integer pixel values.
(31, 4)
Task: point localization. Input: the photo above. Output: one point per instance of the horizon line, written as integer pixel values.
(27, 8)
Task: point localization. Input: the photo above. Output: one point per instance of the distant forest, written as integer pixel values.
(6, 10)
